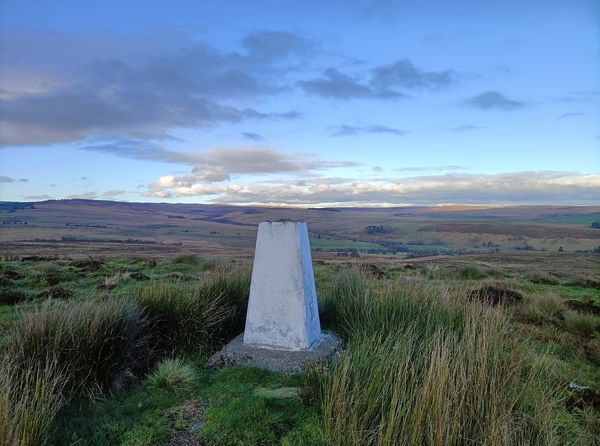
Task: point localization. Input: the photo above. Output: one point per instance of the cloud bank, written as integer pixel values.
(383, 82)
(158, 86)
(61, 88)
(504, 188)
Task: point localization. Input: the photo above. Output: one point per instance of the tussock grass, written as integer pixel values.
(583, 324)
(472, 272)
(29, 402)
(181, 318)
(187, 259)
(189, 317)
(542, 307)
(424, 366)
(114, 279)
(94, 343)
(173, 375)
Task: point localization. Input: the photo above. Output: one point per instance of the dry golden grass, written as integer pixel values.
(29, 401)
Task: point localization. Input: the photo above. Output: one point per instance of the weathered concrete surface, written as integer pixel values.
(237, 353)
(282, 310)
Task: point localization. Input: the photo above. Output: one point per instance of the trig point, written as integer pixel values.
(282, 324)
(282, 311)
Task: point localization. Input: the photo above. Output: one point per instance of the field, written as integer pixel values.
(80, 228)
(453, 333)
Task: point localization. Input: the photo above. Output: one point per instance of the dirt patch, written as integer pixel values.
(373, 270)
(496, 296)
(89, 265)
(583, 307)
(182, 438)
(592, 349)
(139, 277)
(12, 275)
(51, 279)
(181, 277)
(12, 297)
(39, 258)
(582, 398)
(186, 420)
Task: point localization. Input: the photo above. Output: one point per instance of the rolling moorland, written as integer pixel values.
(460, 326)
(107, 228)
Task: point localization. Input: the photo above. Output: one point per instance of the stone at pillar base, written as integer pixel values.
(236, 353)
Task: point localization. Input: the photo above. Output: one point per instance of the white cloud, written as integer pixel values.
(37, 197)
(113, 193)
(505, 188)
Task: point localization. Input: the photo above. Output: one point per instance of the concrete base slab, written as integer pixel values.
(236, 353)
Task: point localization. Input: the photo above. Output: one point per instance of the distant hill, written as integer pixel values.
(96, 227)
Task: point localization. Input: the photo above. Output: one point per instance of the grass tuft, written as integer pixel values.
(472, 273)
(583, 324)
(187, 259)
(95, 343)
(29, 402)
(187, 317)
(542, 308)
(424, 366)
(173, 375)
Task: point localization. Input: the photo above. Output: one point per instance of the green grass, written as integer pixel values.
(95, 344)
(582, 323)
(578, 218)
(29, 402)
(541, 308)
(423, 365)
(341, 244)
(172, 375)
(472, 273)
(566, 291)
(180, 317)
(234, 413)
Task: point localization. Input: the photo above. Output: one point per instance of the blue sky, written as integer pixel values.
(376, 102)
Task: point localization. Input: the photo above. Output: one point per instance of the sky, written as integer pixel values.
(308, 103)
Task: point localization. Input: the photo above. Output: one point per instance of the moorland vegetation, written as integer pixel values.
(98, 352)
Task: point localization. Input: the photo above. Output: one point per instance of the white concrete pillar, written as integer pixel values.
(282, 311)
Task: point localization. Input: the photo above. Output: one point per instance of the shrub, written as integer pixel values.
(543, 278)
(581, 323)
(96, 344)
(472, 273)
(187, 259)
(29, 401)
(172, 375)
(542, 308)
